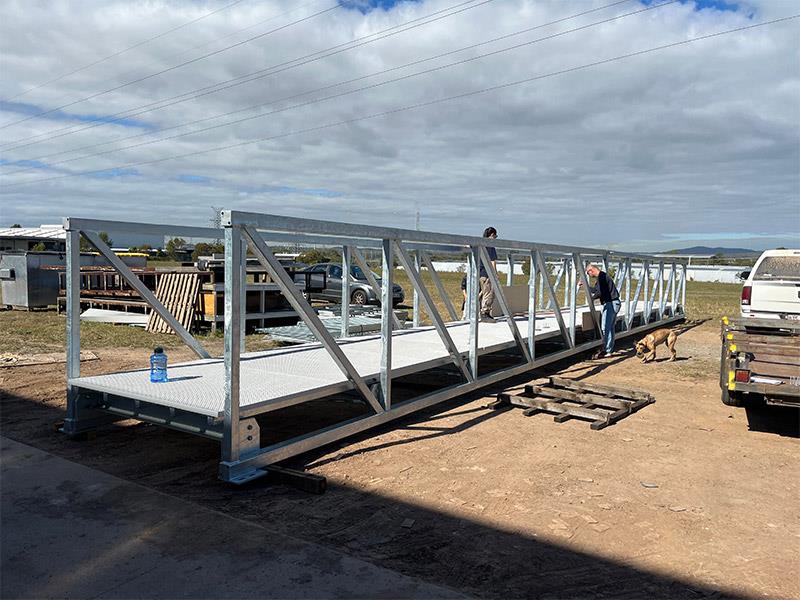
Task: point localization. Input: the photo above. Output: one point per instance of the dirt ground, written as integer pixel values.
(496, 504)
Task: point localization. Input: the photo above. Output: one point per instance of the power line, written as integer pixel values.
(260, 74)
(129, 48)
(417, 105)
(349, 92)
(174, 67)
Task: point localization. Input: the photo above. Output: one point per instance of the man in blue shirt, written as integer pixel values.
(607, 293)
(486, 295)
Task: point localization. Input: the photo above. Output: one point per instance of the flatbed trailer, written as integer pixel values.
(760, 361)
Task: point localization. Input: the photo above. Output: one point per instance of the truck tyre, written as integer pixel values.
(358, 297)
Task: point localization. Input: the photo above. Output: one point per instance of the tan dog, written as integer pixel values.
(646, 347)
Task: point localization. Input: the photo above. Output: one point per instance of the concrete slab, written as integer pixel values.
(70, 531)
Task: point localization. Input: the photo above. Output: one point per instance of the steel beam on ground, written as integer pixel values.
(430, 308)
(307, 314)
(145, 293)
(299, 445)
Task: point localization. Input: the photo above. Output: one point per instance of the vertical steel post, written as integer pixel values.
(567, 276)
(683, 289)
(533, 274)
(674, 297)
(646, 275)
(510, 275)
(473, 306)
(660, 290)
(572, 281)
(387, 312)
(232, 336)
(243, 298)
(627, 291)
(415, 311)
(541, 274)
(73, 304)
(345, 291)
(73, 307)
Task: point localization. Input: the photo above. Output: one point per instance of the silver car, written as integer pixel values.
(360, 290)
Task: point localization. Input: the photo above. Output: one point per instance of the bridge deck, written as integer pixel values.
(281, 377)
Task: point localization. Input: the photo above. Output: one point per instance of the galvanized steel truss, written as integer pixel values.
(555, 272)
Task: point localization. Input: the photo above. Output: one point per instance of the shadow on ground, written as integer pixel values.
(462, 554)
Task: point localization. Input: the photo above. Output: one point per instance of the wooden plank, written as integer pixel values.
(536, 390)
(792, 341)
(559, 408)
(179, 294)
(605, 390)
(774, 370)
(757, 349)
(780, 359)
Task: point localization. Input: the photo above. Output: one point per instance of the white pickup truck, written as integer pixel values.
(761, 350)
(772, 288)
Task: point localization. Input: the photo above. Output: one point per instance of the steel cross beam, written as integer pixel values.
(553, 302)
(590, 301)
(668, 290)
(430, 307)
(439, 287)
(501, 298)
(372, 281)
(310, 318)
(145, 293)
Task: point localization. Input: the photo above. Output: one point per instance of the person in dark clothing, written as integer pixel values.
(464, 299)
(605, 291)
(486, 295)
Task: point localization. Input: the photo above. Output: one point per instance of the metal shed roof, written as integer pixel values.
(43, 232)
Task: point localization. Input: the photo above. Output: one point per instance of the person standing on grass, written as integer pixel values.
(607, 293)
(486, 295)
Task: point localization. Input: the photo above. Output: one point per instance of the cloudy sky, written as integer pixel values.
(693, 144)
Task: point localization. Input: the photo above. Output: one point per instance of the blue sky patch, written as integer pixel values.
(30, 110)
(200, 179)
(367, 6)
(112, 173)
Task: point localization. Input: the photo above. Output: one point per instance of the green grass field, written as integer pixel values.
(44, 331)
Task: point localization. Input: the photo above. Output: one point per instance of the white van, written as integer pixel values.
(772, 289)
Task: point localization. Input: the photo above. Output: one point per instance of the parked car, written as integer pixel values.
(360, 290)
(772, 288)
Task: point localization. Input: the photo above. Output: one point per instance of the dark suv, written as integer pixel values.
(360, 290)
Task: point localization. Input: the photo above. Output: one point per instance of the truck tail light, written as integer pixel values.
(742, 376)
(746, 293)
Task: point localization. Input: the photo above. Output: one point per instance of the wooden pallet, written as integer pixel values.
(178, 293)
(603, 405)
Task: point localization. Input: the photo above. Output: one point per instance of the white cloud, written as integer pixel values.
(700, 138)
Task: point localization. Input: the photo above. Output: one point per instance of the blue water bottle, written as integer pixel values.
(158, 365)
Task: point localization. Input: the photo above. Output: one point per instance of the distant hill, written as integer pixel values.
(707, 250)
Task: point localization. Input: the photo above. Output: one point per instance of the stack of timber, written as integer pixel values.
(178, 293)
(603, 405)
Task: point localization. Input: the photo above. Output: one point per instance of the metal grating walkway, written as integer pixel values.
(281, 377)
